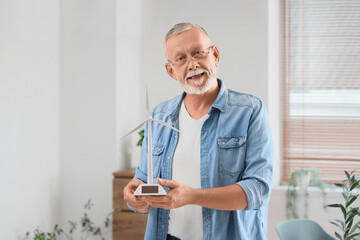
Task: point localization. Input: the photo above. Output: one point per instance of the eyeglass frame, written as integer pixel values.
(192, 57)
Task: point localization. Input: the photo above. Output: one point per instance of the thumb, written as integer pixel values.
(167, 183)
(135, 183)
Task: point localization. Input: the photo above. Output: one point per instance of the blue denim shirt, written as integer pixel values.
(236, 148)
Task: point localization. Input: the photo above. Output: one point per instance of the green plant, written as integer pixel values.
(88, 228)
(349, 226)
(300, 179)
(141, 133)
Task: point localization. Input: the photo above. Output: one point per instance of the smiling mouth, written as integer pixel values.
(196, 76)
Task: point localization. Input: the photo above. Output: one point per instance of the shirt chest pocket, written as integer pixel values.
(157, 153)
(232, 154)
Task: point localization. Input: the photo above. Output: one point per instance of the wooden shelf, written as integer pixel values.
(126, 223)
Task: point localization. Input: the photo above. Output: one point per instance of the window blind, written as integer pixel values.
(321, 87)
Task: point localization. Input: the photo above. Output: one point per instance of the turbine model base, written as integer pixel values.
(153, 189)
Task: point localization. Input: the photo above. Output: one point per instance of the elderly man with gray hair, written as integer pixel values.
(217, 171)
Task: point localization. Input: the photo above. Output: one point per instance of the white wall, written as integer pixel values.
(29, 117)
(64, 55)
(130, 106)
(87, 107)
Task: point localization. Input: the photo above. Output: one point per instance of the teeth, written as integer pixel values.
(196, 75)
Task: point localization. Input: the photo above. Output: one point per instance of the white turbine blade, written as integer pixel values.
(137, 128)
(165, 124)
(147, 100)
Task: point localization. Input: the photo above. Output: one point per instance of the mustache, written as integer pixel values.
(196, 72)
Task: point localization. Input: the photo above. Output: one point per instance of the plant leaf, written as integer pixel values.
(347, 175)
(338, 236)
(343, 210)
(344, 194)
(353, 235)
(349, 225)
(350, 217)
(352, 199)
(354, 185)
(336, 224)
(333, 205)
(346, 233)
(341, 222)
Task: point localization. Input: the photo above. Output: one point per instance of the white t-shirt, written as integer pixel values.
(186, 222)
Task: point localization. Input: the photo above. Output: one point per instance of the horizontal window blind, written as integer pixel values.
(321, 87)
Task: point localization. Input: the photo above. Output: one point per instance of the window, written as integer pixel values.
(321, 86)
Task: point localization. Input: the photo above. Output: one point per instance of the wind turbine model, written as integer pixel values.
(150, 188)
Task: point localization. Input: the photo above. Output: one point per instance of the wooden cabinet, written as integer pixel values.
(126, 223)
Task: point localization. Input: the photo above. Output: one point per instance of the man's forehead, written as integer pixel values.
(191, 38)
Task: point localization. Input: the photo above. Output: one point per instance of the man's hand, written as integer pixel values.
(230, 197)
(134, 201)
(179, 195)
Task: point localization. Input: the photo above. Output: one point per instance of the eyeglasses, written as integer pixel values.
(198, 55)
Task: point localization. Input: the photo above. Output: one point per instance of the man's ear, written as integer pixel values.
(170, 70)
(216, 55)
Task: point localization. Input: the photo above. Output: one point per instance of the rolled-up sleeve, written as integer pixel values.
(257, 176)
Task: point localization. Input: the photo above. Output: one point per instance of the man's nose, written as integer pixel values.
(192, 64)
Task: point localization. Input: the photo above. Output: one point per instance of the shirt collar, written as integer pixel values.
(221, 99)
(219, 103)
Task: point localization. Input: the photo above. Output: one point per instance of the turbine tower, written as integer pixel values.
(149, 188)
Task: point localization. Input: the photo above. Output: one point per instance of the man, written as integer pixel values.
(218, 169)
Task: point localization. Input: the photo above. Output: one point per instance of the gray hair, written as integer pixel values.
(182, 27)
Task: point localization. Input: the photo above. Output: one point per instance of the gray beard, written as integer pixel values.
(189, 89)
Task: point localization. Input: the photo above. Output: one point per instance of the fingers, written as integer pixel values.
(135, 183)
(137, 203)
(164, 206)
(141, 207)
(154, 199)
(168, 183)
(158, 202)
(130, 189)
(173, 199)
(132, 200)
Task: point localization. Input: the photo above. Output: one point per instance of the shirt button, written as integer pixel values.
(168, 157)
(223, 143)
(162, 226)
(204, 151)
(206, 219)
(175, 136)
(204, 173)
(204, 130)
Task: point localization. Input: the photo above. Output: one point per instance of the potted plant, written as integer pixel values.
(299, 181)
(88, 228)
(349, 226)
